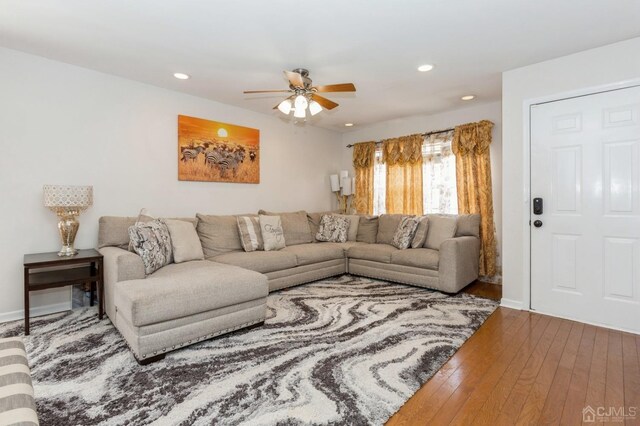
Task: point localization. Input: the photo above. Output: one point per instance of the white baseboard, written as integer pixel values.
(513, 304)
(35, 311)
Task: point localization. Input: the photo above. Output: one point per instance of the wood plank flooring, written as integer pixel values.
(523, 368)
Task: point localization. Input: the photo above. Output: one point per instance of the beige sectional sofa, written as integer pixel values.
(192, 301)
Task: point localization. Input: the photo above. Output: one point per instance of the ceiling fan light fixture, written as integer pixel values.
(468, 97)
(285, 106)
(314, 107)
(301, 103)
(181, 76)
(299, 113)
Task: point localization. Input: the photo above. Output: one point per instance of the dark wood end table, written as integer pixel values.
(84, 267)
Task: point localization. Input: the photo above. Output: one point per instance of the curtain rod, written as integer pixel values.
(435, 132)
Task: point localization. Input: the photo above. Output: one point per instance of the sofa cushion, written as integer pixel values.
(218, 234)
(441, 227)
(259, 261)
(367, 229)
(113, 231)
(468, 225)
(387, 225)
(310, 253)
(375, 252)
(184, 241)
(419, 258)
(295, 226)
(186, 289)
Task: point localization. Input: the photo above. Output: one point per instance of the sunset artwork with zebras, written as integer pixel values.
(210, 151)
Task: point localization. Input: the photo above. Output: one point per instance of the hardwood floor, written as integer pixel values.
(525, 368)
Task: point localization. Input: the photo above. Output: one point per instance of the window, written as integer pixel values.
(379, 184)
(438, 177)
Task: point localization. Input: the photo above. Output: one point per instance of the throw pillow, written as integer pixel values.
(405, 232)
(143, 217)
(185, 243)
(354, 222)
(295, 226)
(272, 233)
(333, 228)
(421, 233)
(441, 227)
(250, 233)
(152, 242)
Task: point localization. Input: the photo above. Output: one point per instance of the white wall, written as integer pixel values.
(61, 124)
(423, 123)
(589, 69)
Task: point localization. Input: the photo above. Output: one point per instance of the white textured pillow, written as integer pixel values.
(354, 223)
(333, 228)
(185, 242)
(272, 233)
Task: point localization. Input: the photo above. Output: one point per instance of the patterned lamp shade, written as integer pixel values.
(68, 196)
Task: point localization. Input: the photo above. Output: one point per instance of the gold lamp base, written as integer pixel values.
(68, 227)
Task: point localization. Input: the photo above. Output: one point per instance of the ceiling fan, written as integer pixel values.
(304, 95)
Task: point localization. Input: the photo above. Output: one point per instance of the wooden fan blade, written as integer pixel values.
(344, 87)
(324, 102)
(294, 78)
(265, 91)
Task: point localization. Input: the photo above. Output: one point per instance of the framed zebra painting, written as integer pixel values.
(211, 151)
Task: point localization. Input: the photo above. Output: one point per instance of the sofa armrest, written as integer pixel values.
(459, 263)
(119, 265)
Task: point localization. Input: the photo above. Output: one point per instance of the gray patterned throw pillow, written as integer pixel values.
(405, 232)
(152, 241)
(333, 228)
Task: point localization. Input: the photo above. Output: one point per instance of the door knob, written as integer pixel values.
(537, 223)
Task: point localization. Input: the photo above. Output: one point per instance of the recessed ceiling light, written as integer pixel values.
(425, 67)
(468, 97)
(348, 124)
(181, 76)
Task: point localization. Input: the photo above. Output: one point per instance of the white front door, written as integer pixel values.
(585, 249)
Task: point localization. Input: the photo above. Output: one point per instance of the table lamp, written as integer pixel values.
(67, 202)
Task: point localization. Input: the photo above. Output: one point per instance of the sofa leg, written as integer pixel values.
(151, 359)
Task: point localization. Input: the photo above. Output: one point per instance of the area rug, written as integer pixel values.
(346, 350)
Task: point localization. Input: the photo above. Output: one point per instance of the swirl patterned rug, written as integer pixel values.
(345, 350)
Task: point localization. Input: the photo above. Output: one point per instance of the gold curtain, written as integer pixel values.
(403, 158)
(363, 163)
(473, 177)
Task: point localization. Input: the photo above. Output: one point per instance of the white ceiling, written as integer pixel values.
(231, 46)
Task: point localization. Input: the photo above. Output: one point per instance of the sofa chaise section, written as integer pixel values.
(183, 303)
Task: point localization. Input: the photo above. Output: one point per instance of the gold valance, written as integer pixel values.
(363, 154)
(402, 150)
(472, 137)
